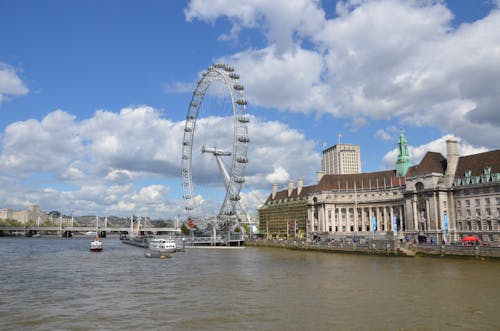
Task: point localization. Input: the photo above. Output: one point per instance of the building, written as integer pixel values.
(32, 214)
(284, 214)
(448, 198)
(439, 199)
(357, 205)
(341, 159)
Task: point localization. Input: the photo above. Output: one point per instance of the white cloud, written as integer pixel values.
(279, 175)
(384, 135)
(10, 83)
(381, 59)
(282, 24)
(105, 164)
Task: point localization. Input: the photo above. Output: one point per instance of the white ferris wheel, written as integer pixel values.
(215, 132)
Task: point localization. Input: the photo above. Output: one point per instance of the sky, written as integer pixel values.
(94, 94)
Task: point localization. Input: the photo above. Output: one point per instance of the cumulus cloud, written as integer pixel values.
(438, 145)
(106, 164)
(386, 59)
(10, 83)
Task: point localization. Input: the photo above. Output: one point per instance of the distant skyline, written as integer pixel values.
(93, 94)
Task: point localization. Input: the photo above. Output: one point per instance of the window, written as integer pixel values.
(487, 201)
(459, 204)
(467, 203)
(468, 212)
(476, 201)
(478, 212)
(488, 211)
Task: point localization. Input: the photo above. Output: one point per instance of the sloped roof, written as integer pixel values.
(366, 180)
(477, 162)
(284, 193)
(372, 180)
(431, 163)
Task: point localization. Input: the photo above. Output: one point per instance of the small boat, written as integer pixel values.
(150, 253)
(96, 245)
(90, 233)
(162, 245)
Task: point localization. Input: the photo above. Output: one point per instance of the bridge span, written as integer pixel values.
(83, 229)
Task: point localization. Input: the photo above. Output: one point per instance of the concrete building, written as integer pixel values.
(341, 159)
(440, 199)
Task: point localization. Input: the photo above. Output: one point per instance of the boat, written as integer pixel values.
(162, 245)
(96, 245)
(149, 253)
(90, 233)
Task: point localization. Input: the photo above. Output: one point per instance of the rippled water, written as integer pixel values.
(58, 284)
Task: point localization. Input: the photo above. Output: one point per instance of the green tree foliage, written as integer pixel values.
(184, 229)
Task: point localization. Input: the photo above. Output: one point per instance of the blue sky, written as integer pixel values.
(93, 94)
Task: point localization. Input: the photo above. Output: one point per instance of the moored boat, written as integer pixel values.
(162, 245)
(96, 245)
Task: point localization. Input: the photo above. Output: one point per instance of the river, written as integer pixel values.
(58, 284)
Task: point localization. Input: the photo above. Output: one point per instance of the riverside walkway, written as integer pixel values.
(383, 247)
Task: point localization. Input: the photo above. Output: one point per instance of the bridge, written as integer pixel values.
(62, 230)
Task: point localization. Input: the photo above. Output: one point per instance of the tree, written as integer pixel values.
(184, 229)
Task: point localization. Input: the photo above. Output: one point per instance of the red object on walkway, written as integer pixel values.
(470, 238)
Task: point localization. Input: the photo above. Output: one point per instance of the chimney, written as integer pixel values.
(300, 184)
(290, 187)
(319, 175)
(275, 190)
(452, 160)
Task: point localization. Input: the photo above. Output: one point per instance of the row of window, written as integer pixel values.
(468, 213)
(477, 202)
(478, 225)
(479, 190)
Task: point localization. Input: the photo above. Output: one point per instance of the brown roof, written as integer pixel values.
(284, 193)
(478, 162)
(431, 163)
(372, 180)
(366, 180)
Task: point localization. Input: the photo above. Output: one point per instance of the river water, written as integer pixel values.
(58, 284)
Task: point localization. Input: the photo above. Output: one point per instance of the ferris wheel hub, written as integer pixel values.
(215, 151)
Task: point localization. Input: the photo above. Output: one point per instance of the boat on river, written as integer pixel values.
(162, 245)
(96, 245)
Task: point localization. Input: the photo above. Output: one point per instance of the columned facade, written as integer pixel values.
(350, 206)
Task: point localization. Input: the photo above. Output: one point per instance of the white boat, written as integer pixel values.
(90, 233)
(162, 245)
(96, 245)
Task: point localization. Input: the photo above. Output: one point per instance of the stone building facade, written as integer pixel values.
(440, 199)
(32, 214)
(357, 205)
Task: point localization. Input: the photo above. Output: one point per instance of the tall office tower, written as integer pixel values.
(341, 159)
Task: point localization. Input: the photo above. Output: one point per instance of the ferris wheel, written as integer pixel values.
(217, 113)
